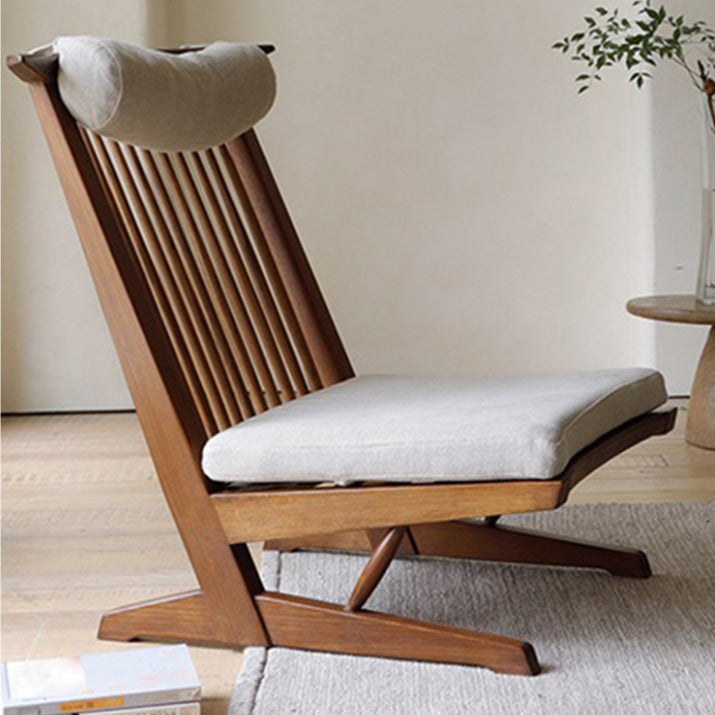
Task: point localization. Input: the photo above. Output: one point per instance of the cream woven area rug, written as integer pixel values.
(606, 644)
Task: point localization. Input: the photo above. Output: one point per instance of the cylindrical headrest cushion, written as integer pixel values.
(163, 101)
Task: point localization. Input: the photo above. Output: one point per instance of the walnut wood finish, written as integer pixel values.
(375, 568)
(217, 316)
(35, 68)
(321, 335)
(281, 513)
(461, 540)
(296, 622)
(169, 419)
(405, 547)
(611, 444)
(356, 541)
(183, 617)
(700, 430)
(487, 541)
(672, 308)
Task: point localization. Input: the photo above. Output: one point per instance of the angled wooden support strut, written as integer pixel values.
(375, 568)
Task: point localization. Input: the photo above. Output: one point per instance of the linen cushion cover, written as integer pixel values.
(425, 429)
(163, 101)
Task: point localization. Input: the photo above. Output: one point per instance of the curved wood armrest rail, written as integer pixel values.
(283, 513)
(41, 67)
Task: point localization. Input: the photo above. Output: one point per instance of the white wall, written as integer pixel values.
(465, 212)
(56, 350)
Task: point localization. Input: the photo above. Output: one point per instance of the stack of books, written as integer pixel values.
(144, 681)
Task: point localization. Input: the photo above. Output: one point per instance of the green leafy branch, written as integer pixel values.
(609, 38)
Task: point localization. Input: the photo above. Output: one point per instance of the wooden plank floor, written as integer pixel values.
(85, 529)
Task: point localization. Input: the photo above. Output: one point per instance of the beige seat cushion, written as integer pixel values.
(163, 101)
(424, 429)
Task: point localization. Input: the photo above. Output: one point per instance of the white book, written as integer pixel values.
(99, 682)
(175, 709)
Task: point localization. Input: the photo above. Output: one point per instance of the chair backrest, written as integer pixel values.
(200, 248)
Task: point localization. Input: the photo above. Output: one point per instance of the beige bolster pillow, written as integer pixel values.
(162, 101)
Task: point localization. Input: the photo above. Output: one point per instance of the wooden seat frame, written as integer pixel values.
(151, 307)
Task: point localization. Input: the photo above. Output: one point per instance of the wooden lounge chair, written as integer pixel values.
(225, 339)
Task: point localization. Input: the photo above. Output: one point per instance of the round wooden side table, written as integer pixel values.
(700, 429)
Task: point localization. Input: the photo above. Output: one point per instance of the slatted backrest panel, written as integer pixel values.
(216, 248)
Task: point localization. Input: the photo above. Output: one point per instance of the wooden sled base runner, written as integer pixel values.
(257, 425)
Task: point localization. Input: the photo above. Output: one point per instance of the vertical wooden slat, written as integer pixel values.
(194, 352)
(221, 167)
(241, 312)
(208, 276)
(221, 284)
(205, 277)
(321, 334)
(184, 266)
(108, 172)
(240, 291)
(274, 280)
(243, 261)
(163, 243)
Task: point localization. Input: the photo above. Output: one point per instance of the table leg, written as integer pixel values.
(701, 409)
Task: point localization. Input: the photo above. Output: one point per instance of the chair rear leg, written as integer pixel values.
(493, 542)
(487, 541)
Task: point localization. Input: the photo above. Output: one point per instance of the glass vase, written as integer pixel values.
(705, 291)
